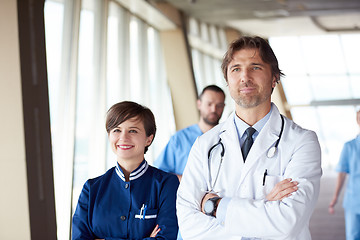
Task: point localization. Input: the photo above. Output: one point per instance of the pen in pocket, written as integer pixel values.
(143, 211)
(265, 173)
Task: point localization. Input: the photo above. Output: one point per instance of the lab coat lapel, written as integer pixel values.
(266, 138)
(233, 157)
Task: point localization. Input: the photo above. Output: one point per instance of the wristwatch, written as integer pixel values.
(210, 206)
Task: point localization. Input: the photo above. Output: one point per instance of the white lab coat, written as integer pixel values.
(248, 213)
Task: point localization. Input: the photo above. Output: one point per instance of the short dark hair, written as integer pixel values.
(211, 88)
(265, 51)
(122, 111)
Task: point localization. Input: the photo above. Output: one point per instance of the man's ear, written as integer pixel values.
(275, 81)
(198, 104)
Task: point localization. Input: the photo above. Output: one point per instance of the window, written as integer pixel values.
(208, 45)
(322, 86)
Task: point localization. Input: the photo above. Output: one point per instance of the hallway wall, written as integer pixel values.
(14, 217)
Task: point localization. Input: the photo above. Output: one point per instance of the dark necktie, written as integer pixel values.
(248, 142)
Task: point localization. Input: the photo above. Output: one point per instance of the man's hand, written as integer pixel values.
(179, 177)
(282, 190)
(205, 198)
(332, 205)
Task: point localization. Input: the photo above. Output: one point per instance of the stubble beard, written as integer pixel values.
(210, 122)
(250, 101)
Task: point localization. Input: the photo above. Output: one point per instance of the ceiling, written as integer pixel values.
(276, 17)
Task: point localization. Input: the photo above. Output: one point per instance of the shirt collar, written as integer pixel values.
(138, 172)
(241, 126)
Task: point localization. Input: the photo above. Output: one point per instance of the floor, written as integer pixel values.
(324, 226)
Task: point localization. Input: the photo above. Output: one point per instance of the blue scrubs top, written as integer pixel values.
(111, 208)
(350, 164)
(174, 157)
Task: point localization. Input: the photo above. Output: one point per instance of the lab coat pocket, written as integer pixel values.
(269, 183)
(264, 183)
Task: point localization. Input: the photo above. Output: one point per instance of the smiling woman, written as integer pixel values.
(132, 200)
(131, 129)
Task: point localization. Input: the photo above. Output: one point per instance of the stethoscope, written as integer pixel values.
(271, 153)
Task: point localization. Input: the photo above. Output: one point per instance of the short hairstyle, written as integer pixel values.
(211, 88)
(122, 111)
(265, 51)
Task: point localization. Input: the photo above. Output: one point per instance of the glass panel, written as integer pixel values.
(351, 47)
(214, 38)
(160, 98)
(338, 125)
(193, 27)
(306, 117)
(54, 24)
(223, 40)
(323, 54)
(54, 17)
(113, 70)
(355, 85)
(115, 80)
(330, 87)
(297, 89)
(330, 73)
(198, 69)
(118, 85)
(208, 70)
(333, 125)
(289, 55)
(84, 108)
(204, 31)
(218, 75)
(135, 69)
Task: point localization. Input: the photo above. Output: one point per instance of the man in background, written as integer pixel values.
(349, 164)
(210, 104)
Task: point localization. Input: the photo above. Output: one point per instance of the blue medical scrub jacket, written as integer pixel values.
(350, 164)
(174, 157)
(111, 208)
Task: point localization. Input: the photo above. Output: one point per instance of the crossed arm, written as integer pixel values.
(282, 190)
(152, 235)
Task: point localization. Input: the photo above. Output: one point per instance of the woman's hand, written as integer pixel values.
(153, 234)
(155, 231)
(282, 190)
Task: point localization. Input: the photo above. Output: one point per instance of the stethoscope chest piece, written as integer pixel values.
(271, 152)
